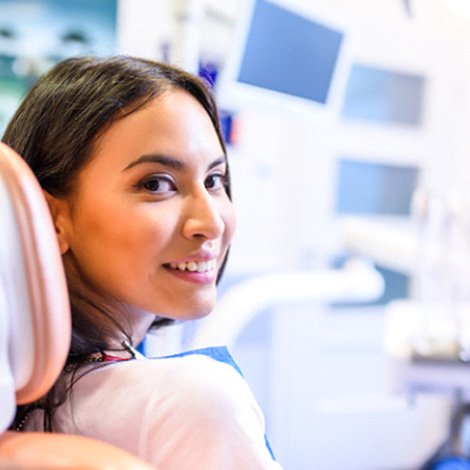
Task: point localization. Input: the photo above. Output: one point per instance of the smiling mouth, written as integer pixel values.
(194, 266)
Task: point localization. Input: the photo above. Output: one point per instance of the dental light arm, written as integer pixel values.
(358, 281)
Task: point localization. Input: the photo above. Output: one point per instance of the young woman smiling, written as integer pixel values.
(133, 165)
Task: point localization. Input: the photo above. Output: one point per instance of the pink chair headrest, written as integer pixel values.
(35, 320)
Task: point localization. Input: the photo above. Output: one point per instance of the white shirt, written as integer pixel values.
(189, 412)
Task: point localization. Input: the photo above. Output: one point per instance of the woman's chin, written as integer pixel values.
(197, 314)
(191, 313)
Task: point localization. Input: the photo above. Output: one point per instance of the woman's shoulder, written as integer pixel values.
(192, 374)
(193, 389)
(171, 411)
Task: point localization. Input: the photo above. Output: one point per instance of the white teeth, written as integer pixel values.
(201, 266)
(193, 266)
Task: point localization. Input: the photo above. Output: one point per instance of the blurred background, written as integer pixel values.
(346, 295)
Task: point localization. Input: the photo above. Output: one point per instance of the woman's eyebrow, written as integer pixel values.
(217, 162)
(161, 159)
(170, 162)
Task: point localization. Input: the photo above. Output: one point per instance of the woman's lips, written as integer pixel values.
(194, 266)
(200, 271)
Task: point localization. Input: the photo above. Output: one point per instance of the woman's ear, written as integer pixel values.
(60, 215)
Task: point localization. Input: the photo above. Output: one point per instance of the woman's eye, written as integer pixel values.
(158, 184)
(216, 181)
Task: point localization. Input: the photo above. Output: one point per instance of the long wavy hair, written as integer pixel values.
(55, 130)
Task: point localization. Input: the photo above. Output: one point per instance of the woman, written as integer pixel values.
(133, 165)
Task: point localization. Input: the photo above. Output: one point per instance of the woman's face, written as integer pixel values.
(149, 221)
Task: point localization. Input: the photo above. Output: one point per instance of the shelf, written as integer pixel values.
(435, 372)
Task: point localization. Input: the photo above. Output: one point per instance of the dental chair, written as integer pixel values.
(35, 329)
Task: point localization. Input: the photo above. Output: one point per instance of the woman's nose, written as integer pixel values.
(203, 217)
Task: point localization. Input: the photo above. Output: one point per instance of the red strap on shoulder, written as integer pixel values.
(109, 358)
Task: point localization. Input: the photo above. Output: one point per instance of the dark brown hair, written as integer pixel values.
(55, 130)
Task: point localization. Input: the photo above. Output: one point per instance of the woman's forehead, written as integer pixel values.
(173, 124)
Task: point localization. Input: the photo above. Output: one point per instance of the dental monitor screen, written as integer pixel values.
(286, 53)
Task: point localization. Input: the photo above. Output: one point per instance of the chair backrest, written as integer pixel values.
(35, 328)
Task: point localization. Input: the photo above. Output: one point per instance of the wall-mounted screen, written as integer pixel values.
(281, 51)
(374, 188)
(384, 96)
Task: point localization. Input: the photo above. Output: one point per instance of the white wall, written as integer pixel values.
(143, 27)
